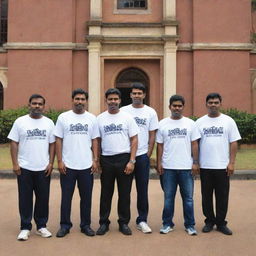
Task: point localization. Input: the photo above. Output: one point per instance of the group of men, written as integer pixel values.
(118, 144)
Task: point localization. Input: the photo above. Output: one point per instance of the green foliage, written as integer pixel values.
(7, 118)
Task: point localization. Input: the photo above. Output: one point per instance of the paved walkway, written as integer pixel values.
(241, 217)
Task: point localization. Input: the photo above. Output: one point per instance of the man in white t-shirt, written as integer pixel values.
(76, 134)
(218, 147)
(147, 121)
(118, 134)
(177, 162)
(32, 153)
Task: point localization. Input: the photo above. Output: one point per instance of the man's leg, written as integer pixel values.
(85, 185)
(42, 192)
(169, 183)
(68, 183)
(207, 186)
(141, 172)
(186, 183)
(25, 188)
(107, 180)
(221, 195)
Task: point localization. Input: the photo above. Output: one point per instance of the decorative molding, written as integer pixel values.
(215, 46)
(45, 46)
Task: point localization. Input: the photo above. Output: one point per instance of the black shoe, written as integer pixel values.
(225, 230)
(103, 229)
(207, 228)
(88, 231)
(125, 229)
(62, 232)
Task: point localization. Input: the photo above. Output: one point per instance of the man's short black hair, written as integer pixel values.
(213, 95)
(177, 97)
(80, 91)
(112, 91)
(36, 96)
(139, 86)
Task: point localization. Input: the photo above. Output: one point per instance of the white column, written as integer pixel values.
(94, 74)
(96, 10)
(170, 50)
(169, 9)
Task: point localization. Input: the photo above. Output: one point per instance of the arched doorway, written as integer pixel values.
(1, 97)
(126, 78)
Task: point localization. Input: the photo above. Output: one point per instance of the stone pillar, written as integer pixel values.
(94, 74)
(96, 10)
(170, 50)
(169, 10)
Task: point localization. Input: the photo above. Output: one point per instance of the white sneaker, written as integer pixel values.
(165, 229)
(144, 227)
(191, 231)
(23, 235)
(44, 232)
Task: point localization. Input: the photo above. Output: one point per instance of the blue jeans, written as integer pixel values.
(141, 173)
(169, 181)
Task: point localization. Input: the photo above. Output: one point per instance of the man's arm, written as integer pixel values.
(134, 145)
(159, 154)
(195, 165)
(49, 168)
(151, 142)
(232, 158)
(14, 155)
(95, 155)
(61, 165)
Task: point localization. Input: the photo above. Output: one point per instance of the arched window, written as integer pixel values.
(132, 4)
(1, 97)
(3, 21)
(124, 82)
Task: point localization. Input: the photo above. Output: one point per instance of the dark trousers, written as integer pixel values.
(37, 182)
(113, 169)
(84, 180)
(141, 173)
(215, 181)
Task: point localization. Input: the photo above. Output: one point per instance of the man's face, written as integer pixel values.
(137, 96)
(176, 109)
(213, 106)
(79, 103)
(113, 101)
(36, 107)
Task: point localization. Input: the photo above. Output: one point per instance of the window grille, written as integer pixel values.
(132, 4)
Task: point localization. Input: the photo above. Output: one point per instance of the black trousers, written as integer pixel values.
(37, 182)
(113, 169)
(217, 181)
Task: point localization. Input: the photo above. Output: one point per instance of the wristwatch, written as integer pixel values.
(132, 161)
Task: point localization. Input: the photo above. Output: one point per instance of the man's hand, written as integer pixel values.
(16, 169)
(159, 169)
(48, 170)
(95, 166)
(195, 169)
(62, 168)
(129, 168)
(230, 169)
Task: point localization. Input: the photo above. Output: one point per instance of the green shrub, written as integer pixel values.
(7, 118)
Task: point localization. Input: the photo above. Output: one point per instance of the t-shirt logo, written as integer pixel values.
(213, 131)
(177, 133)
(36, 134)
(113, 128)
(78, 128)
(140, 121)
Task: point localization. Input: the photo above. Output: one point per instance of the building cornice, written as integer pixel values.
(44, 46)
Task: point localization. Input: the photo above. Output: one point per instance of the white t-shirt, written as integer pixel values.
(216, 135)
(115, 132)
(147, 120)
(177, 135)
(77, 132)
(34, 137)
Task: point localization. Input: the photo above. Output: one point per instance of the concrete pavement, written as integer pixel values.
(241, 217)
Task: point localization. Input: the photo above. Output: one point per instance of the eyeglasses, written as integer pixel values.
(37, 103)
